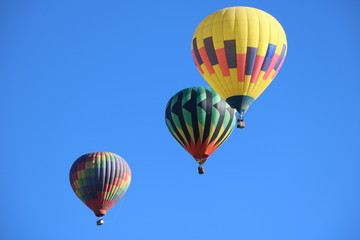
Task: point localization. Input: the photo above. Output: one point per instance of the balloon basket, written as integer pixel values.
(201, 169)
(100, 222)
(240, 124)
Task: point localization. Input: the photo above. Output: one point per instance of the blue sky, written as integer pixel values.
(80, 76)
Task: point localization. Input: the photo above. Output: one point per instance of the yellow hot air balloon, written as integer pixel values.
(239, 51)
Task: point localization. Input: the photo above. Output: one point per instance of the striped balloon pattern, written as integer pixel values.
(239, 51)
(100, 179)
(199, 120)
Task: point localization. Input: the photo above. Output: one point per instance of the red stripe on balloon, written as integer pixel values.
(81, 166)
(74, 176)
(277, 71)
(197, 63)
(117, 181)
(126, 177)
(241, 60)
(257, 66)
(271, 66)
(221, 56)
(206, 60)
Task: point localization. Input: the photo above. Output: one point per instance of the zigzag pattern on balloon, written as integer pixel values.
(199, 120)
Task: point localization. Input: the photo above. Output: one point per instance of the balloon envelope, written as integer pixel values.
(199, 120)
(239, 50)
(100, 179)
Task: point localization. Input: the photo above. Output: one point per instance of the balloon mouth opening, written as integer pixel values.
(240, 102)
(201, 161)
(201, 158)
(100, 213)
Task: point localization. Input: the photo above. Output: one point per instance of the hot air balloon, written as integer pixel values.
(239, 51)
(100, 179)
(200, 121)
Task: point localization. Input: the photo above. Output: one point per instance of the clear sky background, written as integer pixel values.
(85, 76)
